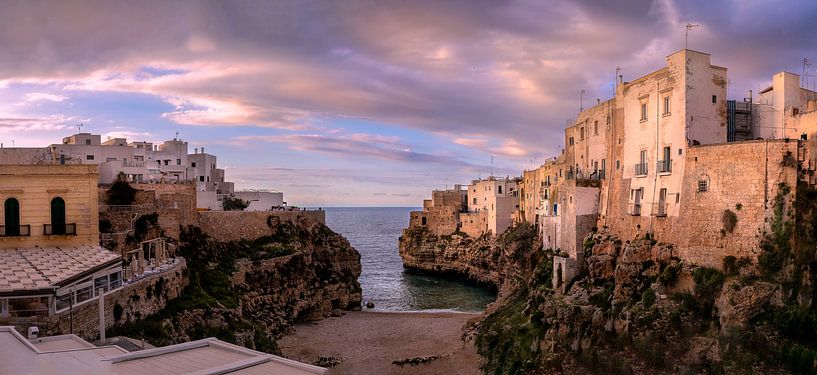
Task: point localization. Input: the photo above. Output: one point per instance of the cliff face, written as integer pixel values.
(499, 262)
(251, 292)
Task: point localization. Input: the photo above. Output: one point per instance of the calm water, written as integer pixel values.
(374, 232)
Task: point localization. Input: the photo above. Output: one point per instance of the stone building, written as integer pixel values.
(498, 199)
(665, 167)
(50, 258)
(441, 213)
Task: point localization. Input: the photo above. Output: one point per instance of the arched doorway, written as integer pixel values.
(57, 216)
(12, 216)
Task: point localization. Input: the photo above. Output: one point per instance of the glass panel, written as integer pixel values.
(101, 282)
(116, 280)
(63, 302)
(84, 294)
(25, 307)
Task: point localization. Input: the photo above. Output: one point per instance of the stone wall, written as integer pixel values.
(140, 299)
(742, 177)
(474, 223)
(237, 225)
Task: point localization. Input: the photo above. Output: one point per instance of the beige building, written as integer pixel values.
(498, 199)
(441, 213)
(777, 108)
(50, 258)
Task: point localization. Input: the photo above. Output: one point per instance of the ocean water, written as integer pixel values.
(374, 233)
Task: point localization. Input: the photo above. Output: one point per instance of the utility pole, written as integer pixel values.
(688, 26)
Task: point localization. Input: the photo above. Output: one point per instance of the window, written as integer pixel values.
(596, 127)
(89, 157)
(167, 162)
(12, 208)
(666, 105)
(201, 178)
(617, 164)
(87, 141)
(643, 111)
(193, 164)
(570, 141)
(608, 119)
(581, 133)
(500, 189)
(178, 161)
(714, 99)
(703, 185)
(57, 216)
(643, 156)
(475, 200)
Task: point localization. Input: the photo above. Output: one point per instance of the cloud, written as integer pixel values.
(34, 97)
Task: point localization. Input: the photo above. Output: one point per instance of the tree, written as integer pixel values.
(121, 193)
(233, 203)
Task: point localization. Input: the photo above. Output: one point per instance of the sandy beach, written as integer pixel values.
(368, 342)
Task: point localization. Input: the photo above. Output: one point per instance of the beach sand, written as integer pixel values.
(368, 342)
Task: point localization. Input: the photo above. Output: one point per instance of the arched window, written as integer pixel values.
(57, 216)
(12, 210)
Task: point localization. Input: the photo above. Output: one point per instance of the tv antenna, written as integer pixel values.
(79, 127)
(804, 78)
(492, 166)
(581, 100)
(688, 26)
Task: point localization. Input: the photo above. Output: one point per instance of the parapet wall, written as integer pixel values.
(237, 225)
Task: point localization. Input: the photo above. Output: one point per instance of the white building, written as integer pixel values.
(498, 197)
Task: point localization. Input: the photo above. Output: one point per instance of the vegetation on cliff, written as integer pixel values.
(249, 292)
(635, 308)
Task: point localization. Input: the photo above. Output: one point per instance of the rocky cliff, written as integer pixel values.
(499, 262)
(251, 291)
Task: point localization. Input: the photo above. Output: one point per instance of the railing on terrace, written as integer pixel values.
(641, 169)
(69, 229)
(21, 231)
(664, 166)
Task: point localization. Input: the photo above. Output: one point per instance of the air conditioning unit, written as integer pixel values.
(33, 331)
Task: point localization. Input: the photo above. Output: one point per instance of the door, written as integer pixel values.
(12, 209)
(57, 216)
(662, 202)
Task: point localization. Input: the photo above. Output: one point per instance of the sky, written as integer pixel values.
(362, 103)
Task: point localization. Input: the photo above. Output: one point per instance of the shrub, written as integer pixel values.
(648, 298)
(730, 266)
(670, 274)
(233, 203)
(708, 283)
(117, 312)
(729, 220)
(121, 193)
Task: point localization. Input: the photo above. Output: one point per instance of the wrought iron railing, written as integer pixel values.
(660, 209)
(69, 229)
(20, 231)
(664, 166)
(635, 209)
(641, 169)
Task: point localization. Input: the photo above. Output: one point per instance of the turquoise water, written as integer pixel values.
(374, 233)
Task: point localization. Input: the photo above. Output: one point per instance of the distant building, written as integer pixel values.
(498, 199)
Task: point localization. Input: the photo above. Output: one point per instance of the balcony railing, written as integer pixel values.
(659, 209)
(22, 231)
(634, 209)
(664, 166)
(641, 169)
(67, 230)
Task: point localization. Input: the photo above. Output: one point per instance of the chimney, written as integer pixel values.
(196, 150)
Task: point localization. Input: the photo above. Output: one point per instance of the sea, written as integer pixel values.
(374, 232)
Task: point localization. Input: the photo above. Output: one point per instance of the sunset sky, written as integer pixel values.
(361, 103)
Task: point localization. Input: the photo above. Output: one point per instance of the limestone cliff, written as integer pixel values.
(251, 291)
(495, 261)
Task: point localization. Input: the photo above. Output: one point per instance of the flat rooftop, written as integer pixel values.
(29, 269)
(69, 354)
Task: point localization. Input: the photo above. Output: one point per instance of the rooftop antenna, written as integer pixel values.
(804, 78)
(688, 26)
(492, 166)
(79, 127)
(581, 100)
(177, 135)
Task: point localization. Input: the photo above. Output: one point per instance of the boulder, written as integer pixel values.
(738, 304)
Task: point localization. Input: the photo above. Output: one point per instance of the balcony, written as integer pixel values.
(641, 169)
(67, 230)
(664, 166)
(659, 209)
(634, 209)
(22, 231)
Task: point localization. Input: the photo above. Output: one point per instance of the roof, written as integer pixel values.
(27, 269)
(207, 356)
